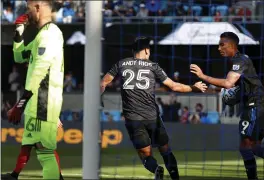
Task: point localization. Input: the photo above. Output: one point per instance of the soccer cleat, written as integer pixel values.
(159, 172)
(7, 177)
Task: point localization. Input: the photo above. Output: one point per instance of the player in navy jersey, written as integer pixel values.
(140, 110)
(243, 75)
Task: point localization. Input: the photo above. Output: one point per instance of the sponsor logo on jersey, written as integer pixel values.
(236, 67)
(41, 51)
(29, 135)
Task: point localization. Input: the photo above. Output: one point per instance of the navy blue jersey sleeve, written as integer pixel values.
(240, 65)
(114, 70)
(160, 74)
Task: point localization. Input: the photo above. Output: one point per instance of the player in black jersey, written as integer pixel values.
(243, 74)
(142, 120)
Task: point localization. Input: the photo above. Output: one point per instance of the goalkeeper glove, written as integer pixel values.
(20, 23)
(14, 114)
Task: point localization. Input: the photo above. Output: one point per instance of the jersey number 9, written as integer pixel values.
(140, 77)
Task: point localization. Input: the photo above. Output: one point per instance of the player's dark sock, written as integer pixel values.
(259, 151)
(8, 176)
(14, 174)
(171, 164)
(250, 163)
(22, 160)
(251, 169)
(150, 163)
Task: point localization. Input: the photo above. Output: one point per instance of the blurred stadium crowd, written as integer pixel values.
(69, 11)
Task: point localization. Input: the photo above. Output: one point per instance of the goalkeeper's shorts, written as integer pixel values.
(38, 131)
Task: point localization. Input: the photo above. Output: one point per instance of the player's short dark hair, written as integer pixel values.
(141, 43)
(230, 35)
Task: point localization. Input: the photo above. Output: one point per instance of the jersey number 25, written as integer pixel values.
(140, 77)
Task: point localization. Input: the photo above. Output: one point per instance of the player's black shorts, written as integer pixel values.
(251, 124)
(147, 132)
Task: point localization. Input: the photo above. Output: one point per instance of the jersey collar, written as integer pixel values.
(44, 25)
(236, 55)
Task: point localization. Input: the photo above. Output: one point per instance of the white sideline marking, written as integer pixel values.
(129, 177)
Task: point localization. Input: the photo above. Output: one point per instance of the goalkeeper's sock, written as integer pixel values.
(150, 163)
(58, 162)
(57, 159)
(49, 164)
(171, 164)
(250, 163)
(22, 160)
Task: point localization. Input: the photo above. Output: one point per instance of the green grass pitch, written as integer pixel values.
(119, 163)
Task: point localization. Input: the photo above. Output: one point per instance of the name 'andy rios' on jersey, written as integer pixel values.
(138, 79)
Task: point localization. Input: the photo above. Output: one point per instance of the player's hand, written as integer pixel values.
(59, 124)
(20, 23)
(196, 70)
(14, 115)
(201, 86)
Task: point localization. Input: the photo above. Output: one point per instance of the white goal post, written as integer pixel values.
(91, 121)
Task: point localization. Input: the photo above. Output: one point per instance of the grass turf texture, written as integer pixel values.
(119, 163)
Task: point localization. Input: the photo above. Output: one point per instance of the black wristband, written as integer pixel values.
(17, 37)
(195, 89)
(21, 104)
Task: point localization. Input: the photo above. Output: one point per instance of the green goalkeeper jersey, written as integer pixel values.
(45, 72)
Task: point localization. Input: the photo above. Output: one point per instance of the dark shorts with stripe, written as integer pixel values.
(251, 124)
(144, 133)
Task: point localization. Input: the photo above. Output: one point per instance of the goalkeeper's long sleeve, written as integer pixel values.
(21, 52)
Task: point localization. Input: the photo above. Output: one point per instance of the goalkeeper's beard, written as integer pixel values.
(32, 20)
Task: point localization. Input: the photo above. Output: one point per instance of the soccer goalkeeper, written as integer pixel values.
(42, 98)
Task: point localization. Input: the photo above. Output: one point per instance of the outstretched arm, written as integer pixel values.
(229, 82)
(178, 87)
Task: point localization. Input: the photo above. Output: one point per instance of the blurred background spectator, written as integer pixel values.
(176, 76)
(217, 17)
(171, 109)
(6, 106)
(185, 115)
(197, 116)
(70, 82)
(14, 80)
(68, 12)
(8, 14)
(160, 106)
(143, 12)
